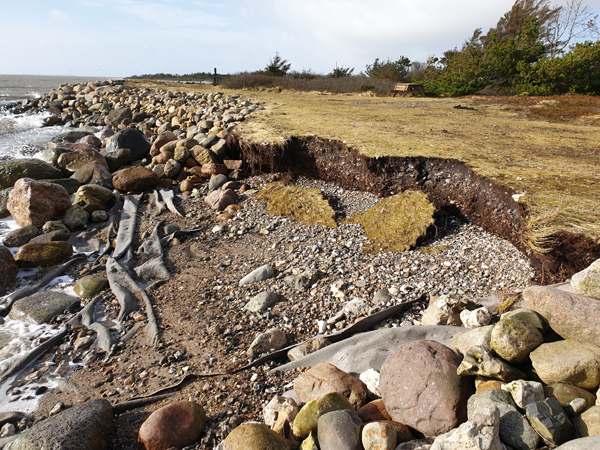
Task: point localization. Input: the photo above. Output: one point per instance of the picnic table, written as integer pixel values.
(408, 88)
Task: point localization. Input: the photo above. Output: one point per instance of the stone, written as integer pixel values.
(514, 429)
(8, 268)
(576, 407)
(587, 282)
(70, 136)
(132, 139)
(255, 436)
(421, 389)
(92, 173)
(42, 307)
(219, 148)
(480, 361)
(76, 217)
(171, 168)
(54, 225)
(566, 393)
(445, 310)
(43, 255)
(86, 426)
(381, 297)
(176, 425)
(310, 443)
(201, 155)
(304, 280)
(14, 169)
(476, 318)
(73, 161)
(308, 347)
(99, 216)
(527, 315)
(117, 159)
(371, 379)
(339, 430)
(486, 384)
(417, 444)
(586, 443)
(210, 169)
(374, 412)
(4, 213)
(134, 179)
(216, 181)
(588, 422)
(94, 193)
(20, 236)
(525, 392)
(262, 301)
(70, 184)
(180, 153)
(569, 361)
(325, 378)
(378, 436)
(480, 432)
(34, 203)
(117, 115)
(219, 200)
(162, 139)
(478, 337)
(90, 139)
(272, 339)
(262, 273)
(308, 416)
(571, 316)
(89, 286)
(550, 421)
(273, 409)
(514, 339)
(53, 236)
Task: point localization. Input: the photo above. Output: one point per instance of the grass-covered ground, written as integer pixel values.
(547, 148)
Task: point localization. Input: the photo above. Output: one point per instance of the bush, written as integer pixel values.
(395, 71)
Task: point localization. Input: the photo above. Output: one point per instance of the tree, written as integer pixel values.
(391, 70)
(277, 67)
(574, 21)
(341, 72)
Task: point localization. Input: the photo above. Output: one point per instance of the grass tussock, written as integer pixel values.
(305, 205)
(396, 223)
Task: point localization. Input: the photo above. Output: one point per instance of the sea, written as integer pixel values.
(24, 136)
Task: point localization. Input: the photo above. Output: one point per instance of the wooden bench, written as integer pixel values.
(408, 89)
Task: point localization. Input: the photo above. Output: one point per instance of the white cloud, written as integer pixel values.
(58, 15)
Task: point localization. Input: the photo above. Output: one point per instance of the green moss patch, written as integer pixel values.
(305, 205)
(396, 223)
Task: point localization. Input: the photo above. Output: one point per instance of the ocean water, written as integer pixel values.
(24, 136)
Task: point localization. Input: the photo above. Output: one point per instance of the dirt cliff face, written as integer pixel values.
(450, 184)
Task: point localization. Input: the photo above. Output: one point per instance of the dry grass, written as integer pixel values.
(546, 148)
(305, 205)
(397, 222)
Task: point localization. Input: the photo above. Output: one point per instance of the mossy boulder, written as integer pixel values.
(12, 170)
(255, 436)
(308, 416)
(513, 340)
(43, 255)
(90, 285)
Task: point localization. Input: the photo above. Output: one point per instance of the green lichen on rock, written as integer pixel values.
(397, 222)
(305, 205)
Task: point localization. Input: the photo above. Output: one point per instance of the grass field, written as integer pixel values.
(547, 148)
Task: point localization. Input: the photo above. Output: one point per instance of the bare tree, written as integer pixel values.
(575, 20)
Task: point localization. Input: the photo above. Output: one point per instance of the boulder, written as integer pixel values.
(76, 217)
(161, 140)
(43, 255)
(529, 316)
(133, 139)
(378, 436)
(34, 203)
(571, 316)
(255, 436)
(70, 184)
(587, 282)
(176, 425)
(117, 115)
(14, 169)
(525, 392)
(550, 421)
(135, 179)
(20, 236)
(70, 137)
(514, 429)
(219, 200)
(4, 213)
(42, 307)
(117, 159)
(262, 273)
(373, 412)
(480, 432)
(261, 301)
(216, 181)
(325, 378)
(52, 236)
(339, 429)
(94, 193)
(307, 418)
(171, 168)
(277, 407)
(420, 387)
(89, 285)
(72, 161)
(272, 339)
(586, 443)
(588, 422)
(464, 341)
(514, 339)
(92, 173)
(8, 268)
(445, 310)
(86, 426)
(307, 348)
(569, 361)
(566, 393)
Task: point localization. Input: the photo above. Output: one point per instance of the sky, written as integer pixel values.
(119, 38)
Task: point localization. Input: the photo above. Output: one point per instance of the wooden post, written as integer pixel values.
(215, 77)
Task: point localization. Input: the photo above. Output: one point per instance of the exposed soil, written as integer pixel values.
(451, 185)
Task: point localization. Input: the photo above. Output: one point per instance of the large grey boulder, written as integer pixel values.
(550, 421)
(12, 170)
(133, 139)
(571, 316)
(421, 389)
(42, 307)
(83, 427)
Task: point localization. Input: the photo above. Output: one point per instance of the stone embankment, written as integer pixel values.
(458, 375)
